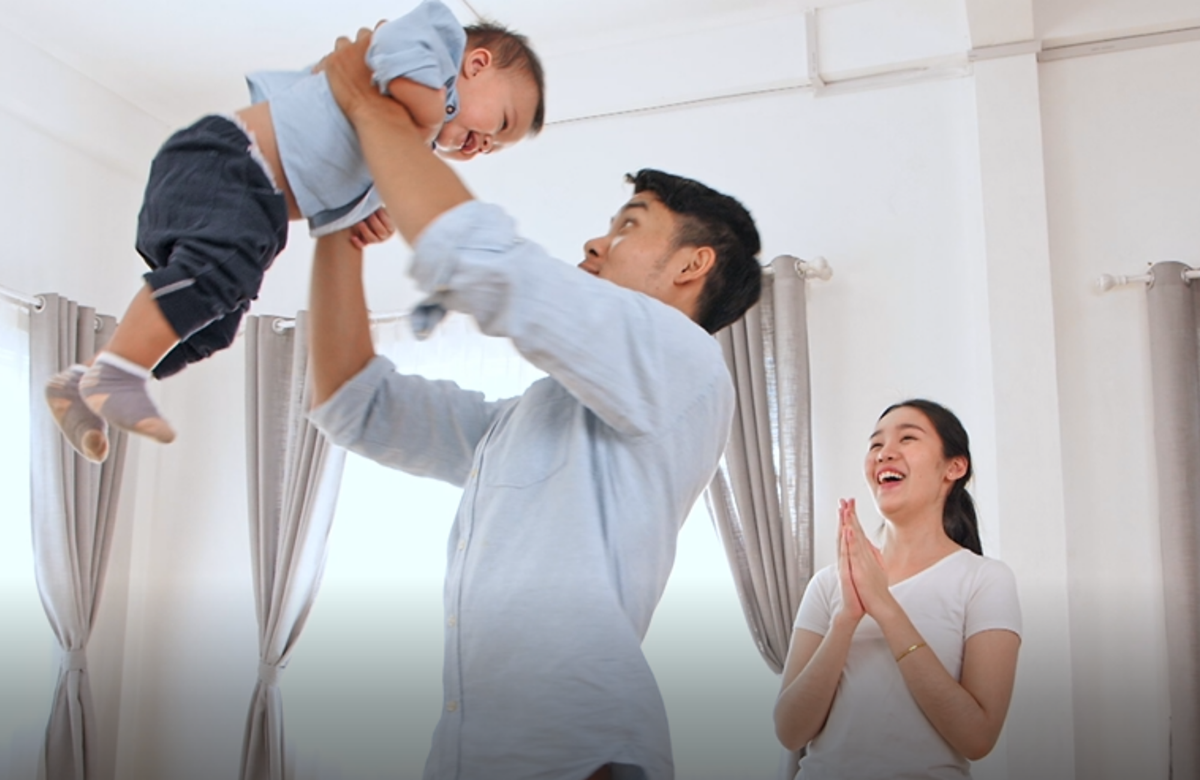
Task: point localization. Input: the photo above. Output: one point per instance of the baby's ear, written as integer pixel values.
(476, 60)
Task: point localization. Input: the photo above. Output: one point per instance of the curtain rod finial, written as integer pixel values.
(818, 268)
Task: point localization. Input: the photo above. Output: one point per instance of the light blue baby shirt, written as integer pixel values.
(318, 147)
(573, 495)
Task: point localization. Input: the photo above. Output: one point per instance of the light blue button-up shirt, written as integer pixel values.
(573, 495)
(318, 147)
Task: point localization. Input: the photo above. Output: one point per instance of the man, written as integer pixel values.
(574, 492)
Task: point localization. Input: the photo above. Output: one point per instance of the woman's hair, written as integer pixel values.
(958, 515)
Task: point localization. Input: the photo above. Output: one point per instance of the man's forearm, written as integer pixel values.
(415, 185)
(339, 334)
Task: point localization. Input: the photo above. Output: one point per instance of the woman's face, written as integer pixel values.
(905, 467)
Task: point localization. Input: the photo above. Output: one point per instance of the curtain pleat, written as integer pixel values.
(293, 479)
(74, 505)
(761, 496)
(1174, 310)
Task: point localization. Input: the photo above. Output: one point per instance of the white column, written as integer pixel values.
(1028, 479)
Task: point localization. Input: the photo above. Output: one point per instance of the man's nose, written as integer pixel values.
(485, 144)
(594, 248)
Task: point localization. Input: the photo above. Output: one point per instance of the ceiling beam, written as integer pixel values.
(997, 22)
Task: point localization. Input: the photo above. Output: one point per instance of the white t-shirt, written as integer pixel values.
(875, 730)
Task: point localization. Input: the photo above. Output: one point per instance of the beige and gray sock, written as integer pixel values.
(116, 389)
(85, 430)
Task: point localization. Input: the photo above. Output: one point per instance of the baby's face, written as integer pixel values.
(495, 110)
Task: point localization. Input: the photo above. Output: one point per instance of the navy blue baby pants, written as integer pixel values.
(211, 224)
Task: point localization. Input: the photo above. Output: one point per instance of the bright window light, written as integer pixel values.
(27, 651)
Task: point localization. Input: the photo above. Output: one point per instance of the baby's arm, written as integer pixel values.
(375, 229)
(416, 58)
(426, 105)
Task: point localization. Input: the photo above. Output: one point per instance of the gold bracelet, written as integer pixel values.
(915, 647)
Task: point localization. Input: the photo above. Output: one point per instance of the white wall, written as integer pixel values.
(913, 193)
(1123, 178)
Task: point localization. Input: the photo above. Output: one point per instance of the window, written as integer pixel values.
(363, 690)
(27, 660)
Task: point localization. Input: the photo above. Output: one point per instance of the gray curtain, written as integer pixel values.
(1174, 307)
(761, 496)
(74, 505)
(293, 480)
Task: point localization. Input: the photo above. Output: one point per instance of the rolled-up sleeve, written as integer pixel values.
(425, 45)
(636, 362)
(425, 427)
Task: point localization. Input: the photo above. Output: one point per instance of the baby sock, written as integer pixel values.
(87, 432)
(115, 389)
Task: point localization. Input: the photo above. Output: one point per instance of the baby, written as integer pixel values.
(221, 194)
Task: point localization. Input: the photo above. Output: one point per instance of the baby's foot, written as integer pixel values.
(86, 431)
(115, 389)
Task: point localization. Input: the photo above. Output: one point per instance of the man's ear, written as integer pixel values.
(476, 60)
(700, 261)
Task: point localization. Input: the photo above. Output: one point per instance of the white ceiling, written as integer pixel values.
(175, 59)
(178, 59)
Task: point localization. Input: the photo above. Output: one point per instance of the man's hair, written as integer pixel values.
(707, 218)
(510, 49)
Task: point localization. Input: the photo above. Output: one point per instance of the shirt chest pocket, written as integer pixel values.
(531, 444)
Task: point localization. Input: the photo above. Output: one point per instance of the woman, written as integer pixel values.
(903, 657)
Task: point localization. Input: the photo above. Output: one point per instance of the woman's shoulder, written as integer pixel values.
(981, 573)
(823, 584)
(978, 561)
(825, 575)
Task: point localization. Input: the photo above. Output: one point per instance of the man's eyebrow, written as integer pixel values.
(633, 204)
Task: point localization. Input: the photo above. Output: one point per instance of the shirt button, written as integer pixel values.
(451, 706)
(474, 473)
(452, 621)
(449, 109)
(462, 544)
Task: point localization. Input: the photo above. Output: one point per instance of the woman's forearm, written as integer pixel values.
(963, 720)
(804, 702)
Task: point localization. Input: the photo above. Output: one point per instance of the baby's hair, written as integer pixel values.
(510, 49)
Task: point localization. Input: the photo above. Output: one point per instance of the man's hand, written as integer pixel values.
(348, 74)
(416, 187)
(375, 229)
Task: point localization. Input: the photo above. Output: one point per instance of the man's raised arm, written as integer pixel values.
(339, 335)
(415, 185)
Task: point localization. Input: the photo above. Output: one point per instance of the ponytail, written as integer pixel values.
(958, 515)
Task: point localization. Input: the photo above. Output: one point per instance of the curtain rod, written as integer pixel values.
(34, 302)
(816, 269)
(1106, 282)
(280, 324)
